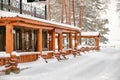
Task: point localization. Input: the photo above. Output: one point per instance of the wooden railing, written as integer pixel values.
(14, 6)
(3, 60)
(23, 57)
(33, 56)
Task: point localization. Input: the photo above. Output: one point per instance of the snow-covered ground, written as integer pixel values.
(101, 65)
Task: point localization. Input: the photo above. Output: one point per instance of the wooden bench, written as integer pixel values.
(47, 55)
(57, 55)
(60, 53)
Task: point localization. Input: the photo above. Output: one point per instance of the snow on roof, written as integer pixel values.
(90, 33)
(11, 14)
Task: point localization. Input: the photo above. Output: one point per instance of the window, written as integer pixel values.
(25, 39)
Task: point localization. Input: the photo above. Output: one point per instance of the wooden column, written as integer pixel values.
(40, 40)
(52, 40)
(97, 42)
(9, 38)
(76, 39)
(60, 41)
(70, 40)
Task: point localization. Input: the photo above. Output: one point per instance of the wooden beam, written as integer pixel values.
(9, 38)
(2, 24)
(22, 24)
(25, 21)
(58, 30)
(89, 36)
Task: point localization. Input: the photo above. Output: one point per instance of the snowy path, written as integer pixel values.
(103, 65)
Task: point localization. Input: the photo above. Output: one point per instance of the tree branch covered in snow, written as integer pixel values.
(92, 15)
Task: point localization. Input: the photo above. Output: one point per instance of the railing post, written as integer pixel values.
(35, 11)
(1, 7)
(20, 6)
(45, 12)
(9, 4)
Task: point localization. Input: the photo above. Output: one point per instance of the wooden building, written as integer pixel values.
(31, 36)
(93, 35)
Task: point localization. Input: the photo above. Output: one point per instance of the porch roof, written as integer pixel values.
(90, 34)
(17, 18)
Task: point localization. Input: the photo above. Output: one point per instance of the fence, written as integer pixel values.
(22, 8)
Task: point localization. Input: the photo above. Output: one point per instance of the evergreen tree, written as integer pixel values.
(93, 9)
(93, 20)
(118, 6)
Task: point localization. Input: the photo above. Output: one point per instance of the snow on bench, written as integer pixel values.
(4, 55)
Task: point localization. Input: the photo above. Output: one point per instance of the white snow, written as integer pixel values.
(46, 52)
(90, 33)
(11, 14)
(101, 65)
(24, 53)
(4, 54)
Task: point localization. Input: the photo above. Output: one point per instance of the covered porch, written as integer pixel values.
(92, 35)
(31, 37)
